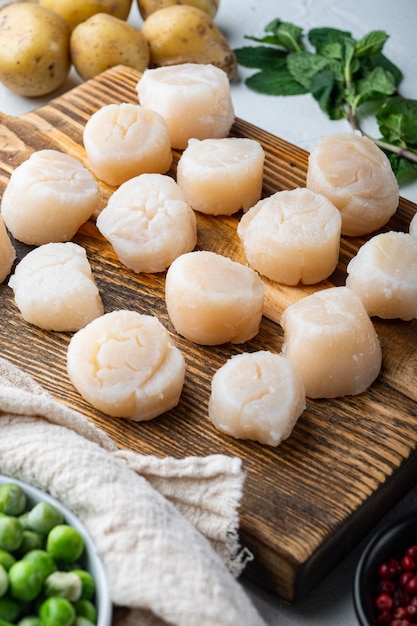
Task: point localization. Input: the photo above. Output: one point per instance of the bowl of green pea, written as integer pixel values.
(50, 572)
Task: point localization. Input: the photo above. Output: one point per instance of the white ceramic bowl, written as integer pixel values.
(91, 562)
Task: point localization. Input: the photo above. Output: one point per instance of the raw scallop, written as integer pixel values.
(212, 300)
(193, 98)
(357, 177)
(7, 252)
(48, 197)
(149, 223)
(292, 237)
(125, 365)
(125, 140)
(258, 396)
(221, 176)
(54, 287)
(331, 341)
(384, 274)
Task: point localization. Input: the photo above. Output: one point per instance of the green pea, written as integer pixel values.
(25, 580)
(57, 612)
(12, 499)
(82, 621)
(11, 533)
(65, 543)
(85, 608)
(87, 582)
(43, 517)
(30, 541)
(6, 559)
(5, 622)
(43, 561)
(9, 609)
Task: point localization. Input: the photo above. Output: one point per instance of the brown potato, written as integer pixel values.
(146, 7)
(77, 11)
(183, 34)
(34, 49)
(104, 41)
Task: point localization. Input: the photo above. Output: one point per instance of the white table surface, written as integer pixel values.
(300, 121)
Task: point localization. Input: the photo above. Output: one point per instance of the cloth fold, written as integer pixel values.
(166, 529)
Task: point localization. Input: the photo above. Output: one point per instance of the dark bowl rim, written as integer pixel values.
(378, 539)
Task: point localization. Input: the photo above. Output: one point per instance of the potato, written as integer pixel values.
(146, 7)
(103, 41)
(34, 49)
(184, 34)
(77, 11)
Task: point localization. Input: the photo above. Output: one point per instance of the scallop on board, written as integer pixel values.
(384, 274)
(48, 197)
(331, 341)
(221, 176)
(193, 98)
(292, 236)
(356, 175)
(258, 396)
(149, 223)
(125, 365)
(125, 140)
(54, 287)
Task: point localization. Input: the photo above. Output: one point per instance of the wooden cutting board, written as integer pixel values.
(305, 503)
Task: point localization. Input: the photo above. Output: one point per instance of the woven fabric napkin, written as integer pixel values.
(166, 529)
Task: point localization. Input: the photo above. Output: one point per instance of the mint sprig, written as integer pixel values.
(342, 74)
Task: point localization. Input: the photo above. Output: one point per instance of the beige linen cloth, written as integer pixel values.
(166, 529)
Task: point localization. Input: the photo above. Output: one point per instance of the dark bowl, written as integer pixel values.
(390, 542)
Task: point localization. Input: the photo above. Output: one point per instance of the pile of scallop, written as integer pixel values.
(126, 364)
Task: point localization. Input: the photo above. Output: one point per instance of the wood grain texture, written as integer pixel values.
(307, 502)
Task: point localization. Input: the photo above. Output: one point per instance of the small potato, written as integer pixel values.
(34, 49)
(77, 11)
(146, 7)
(104, 41)
(183, 34)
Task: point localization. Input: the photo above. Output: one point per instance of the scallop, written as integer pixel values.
(356, 175)
(194, 99)
(54, 287)
(257, 396)
(330, 339)
(7, 252)
(292, 237)
(212, 300)
(125, 365)
(48, 197)
(384, 274)
(149, 223)
(126, 140)
(221, 176)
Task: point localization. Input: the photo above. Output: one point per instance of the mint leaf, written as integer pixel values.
(275, 82)
(303, 66)
(379, 60)
(321, 37)
(397, 120)
(404, 169)
(342, 74)
(287, 35)
(261, 57)
(328, 93)
(371, 44)
(374, 85)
